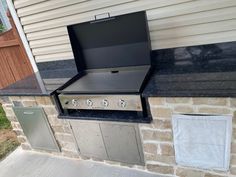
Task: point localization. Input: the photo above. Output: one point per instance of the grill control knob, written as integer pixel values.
(122, 103)
(105, 103)
(74, 102)
(89, 102)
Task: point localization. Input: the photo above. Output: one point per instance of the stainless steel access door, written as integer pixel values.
(109, 141)
(89, 139)
(36, 128)
(122, 143)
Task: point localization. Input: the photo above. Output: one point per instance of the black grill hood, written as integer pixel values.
(119, 41)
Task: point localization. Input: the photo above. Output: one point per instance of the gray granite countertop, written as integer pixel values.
(29, 86)
(219, 84)
(215, 84)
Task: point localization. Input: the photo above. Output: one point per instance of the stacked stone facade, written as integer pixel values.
(60, 128)
(157, 137)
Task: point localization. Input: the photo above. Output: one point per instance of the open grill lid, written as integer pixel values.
(113, 54)
(112, 42)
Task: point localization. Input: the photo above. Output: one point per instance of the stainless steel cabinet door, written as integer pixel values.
(122, 143)
(89, 139)
(36, 128)
(109, 141)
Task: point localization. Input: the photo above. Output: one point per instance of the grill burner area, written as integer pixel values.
(113, 61)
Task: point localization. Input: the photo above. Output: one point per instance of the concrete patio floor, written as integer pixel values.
(32, 164)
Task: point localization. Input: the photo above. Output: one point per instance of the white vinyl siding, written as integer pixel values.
(172, 23)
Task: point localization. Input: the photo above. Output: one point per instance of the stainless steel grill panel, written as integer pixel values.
(101, 102)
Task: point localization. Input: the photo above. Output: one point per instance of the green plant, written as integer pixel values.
(4, 122)
(2, 29)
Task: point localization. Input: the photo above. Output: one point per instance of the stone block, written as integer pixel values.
(233, 102)
(50, 110)
(156, 101)
(162, 124)
(9, 112)
(165, 159)
(161, 169)
(15, 98)
(67, 129)
(183, 109)
(29, 103)
(70, 154)
(212, 175)
(148, 134)
(68, 146)
(146, 126)
(163, 136)
(233, 148)
(214, 110)
(12, 119)
(157, 135)
(64, 137)
(168, 160)
(54, 121)
(161, 112)
(16, 125)
(233, 160)
(58, 129)
(234, 119)
(210, 101)
(27, 98)
(234, 133)
(182, 172)
(150, 148)
(19, 132)
(26, 146)
(233, 170)
(150, 157)
(174, 100)
(43, 100)
(167, 149)
(5, 100)
(22, 139)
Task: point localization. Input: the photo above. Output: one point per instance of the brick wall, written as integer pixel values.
(158, 139)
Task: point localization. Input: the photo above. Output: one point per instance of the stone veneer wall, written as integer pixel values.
(61, 128)
(157, 137)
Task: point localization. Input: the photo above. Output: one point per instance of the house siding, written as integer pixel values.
(172, 23)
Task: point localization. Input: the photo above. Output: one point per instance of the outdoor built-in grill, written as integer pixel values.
(113, 61)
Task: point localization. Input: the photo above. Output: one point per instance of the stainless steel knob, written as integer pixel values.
(74, 102)
(105, 103)
(89, 102)
(122, 103)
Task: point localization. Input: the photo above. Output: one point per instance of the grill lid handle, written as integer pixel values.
(102, 16)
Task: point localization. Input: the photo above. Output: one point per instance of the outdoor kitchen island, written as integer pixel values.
(168, 93)
(168, 111)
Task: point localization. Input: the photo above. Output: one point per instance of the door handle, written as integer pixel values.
(28, 113)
